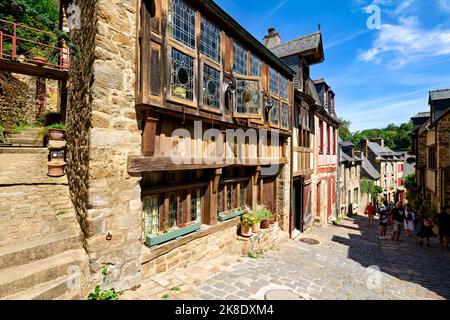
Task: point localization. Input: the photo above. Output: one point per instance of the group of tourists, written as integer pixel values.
(420, 223)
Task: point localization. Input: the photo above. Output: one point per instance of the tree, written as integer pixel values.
(344, 129)
(369, 187)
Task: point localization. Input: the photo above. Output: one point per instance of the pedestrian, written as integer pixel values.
(397, 219)
(370, 211)
(424, 227)
(384, 220)
(409, 221)
(443, 220)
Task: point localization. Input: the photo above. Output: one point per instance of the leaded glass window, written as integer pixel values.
(211, 87)
(239, 59)
(242, 195)
(196, 205)
(247, 93)
(273, 81)
(274, 113)
(173, 210)
(181, 24)
(285, 115)
(255, 66)
(229, 197)
(182, 80)
(151, 215)
(210, 40)
(283, 87)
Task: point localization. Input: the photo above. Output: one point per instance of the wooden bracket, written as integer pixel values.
(149, 134)
(216, 180)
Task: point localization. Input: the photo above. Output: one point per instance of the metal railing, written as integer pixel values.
(16, 47)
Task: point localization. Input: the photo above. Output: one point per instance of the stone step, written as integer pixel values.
(23, 278)
(54, 289)
(24, 142)
(18, 150)
(25, 252)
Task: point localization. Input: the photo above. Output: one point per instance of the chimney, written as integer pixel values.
(272, 39)
(379, 141)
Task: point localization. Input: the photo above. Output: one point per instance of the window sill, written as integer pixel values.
(154, 240)
(149, 254)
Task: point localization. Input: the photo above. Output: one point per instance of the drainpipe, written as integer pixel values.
(338, 182)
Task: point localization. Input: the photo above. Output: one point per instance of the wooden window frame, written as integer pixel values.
(253, 116)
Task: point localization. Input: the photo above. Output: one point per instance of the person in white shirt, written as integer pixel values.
(409, 221)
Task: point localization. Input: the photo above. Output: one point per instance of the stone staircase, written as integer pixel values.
(49, 268)
(41, 243)
(32, 137)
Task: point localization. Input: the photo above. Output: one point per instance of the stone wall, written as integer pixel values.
(284, 190)
(207, 245)
(443, 159)
(32, 205)
(103, 132)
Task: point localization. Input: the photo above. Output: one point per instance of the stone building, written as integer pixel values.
(388, 164)
(352, 201)
(431, 137)
(155, 160)
(315, 127)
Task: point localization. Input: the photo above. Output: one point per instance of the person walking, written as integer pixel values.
(370, 212)
(443, 220)
(384, 221)
(397, 219)
(409, 221)
(424, 227)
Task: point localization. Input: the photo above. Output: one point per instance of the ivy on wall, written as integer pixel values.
(369, 187)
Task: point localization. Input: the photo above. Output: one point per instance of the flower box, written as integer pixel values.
(224, 216)
(154, 240)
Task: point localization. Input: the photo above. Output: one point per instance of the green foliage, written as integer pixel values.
(369, 187)
(175, 289)
(344, 130)
(263, 214)
(256, 255)
(58, 126)
(99, 294)
(61, 213)
(165, 296)
(21, 125)
(409, 180)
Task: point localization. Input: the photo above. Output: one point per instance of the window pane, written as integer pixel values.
(255, 66)
(285, 115)
(247, 93)
(242, 195)
(151, 215)
(275, 112)
(283, 87)
(211, 87)
(229, 197)
(181, 24)
(196, 205)
(220, 201)
(210, 40)
(240, 59)
(182, 76)
(173, 211)
(273, 81)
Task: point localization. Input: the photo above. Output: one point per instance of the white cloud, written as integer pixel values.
(407, 42)
(444, 5)
(275, 9)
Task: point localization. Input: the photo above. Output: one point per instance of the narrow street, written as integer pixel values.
(343, 266)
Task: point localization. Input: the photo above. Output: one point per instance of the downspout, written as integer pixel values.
(338, 182)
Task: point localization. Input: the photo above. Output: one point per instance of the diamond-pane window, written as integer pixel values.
(247, 93)
(196, 205)
(211, 87)
(181, 24)
(275, 112)
(285, 115)
(151, 215)
(239, 59)
(210, 40)
(283, 87)
(273, 81)
(182, 79)
(255, 66)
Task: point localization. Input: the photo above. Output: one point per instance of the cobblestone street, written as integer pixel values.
(343, 266)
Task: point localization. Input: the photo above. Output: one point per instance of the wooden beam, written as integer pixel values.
(149, 134)
(32, 70)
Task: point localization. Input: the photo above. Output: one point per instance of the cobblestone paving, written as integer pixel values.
(349, 263)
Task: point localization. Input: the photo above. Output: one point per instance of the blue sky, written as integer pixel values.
(380, 76)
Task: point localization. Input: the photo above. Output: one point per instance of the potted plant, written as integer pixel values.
(38, 57)
(247, 222)
(265, 216)
(56, 168)
(56, 132)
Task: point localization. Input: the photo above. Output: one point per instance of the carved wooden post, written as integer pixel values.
(149, 134)
(210, 212)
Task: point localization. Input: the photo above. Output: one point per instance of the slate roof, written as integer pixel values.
(440, 94)
(422, 115)
(347, 144)
(369, 170)
(312, 91)
(346, 157)
(302, 44)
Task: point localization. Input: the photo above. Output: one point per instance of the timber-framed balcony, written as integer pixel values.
(20, 54)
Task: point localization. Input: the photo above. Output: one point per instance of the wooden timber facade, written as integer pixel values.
(195, 64)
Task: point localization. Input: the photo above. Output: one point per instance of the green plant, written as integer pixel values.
(99, 294)
(58, 126)
(165, 296)
(175, 289)
(264, 214)
(60, 213)
(249, 219)
(21, 125)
